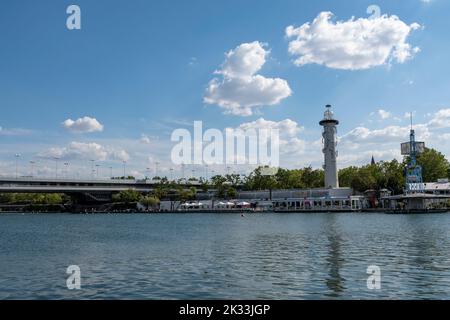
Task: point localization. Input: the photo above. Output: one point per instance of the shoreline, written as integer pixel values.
(250, 212)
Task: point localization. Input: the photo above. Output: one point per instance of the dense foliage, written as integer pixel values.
(33, 198)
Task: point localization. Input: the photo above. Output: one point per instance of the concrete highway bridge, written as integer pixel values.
(81, 191)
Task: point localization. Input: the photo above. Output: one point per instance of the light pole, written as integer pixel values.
(92, 168)
(171, 174)
(147, 173)
(32, 168)
(66, 169)
(156, 168)
(110, 172)
(124, 165)
(56, 167)
(96, 167)
(17, 155)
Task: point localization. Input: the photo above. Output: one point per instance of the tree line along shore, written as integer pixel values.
(376, 176)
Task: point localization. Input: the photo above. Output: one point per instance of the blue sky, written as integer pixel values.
(141, 69)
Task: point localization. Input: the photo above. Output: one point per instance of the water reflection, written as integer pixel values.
(334, 281)
(210, 256)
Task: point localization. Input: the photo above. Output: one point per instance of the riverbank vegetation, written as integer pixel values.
(375, 176)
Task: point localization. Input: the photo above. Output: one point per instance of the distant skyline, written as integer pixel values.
(115, 90)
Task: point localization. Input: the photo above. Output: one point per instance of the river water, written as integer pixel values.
(225, 256)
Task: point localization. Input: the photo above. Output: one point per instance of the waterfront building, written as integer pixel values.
(418, 196)
(329, 198)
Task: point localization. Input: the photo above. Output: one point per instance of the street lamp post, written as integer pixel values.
(32, 163)
(17, 164)
(56, 166)
(156, 168)
(92, 169)
(66, 169)
(124, 165)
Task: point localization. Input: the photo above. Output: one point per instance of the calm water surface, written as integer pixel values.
(225, 256)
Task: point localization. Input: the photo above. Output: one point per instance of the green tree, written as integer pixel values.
(218, 180)
(233, 179)
(434, 165)
(289, 179)
(231, 193)
(258, 181)
(186, 194)
(127, 196)
(394, 173)
(313, 178)
(7, 198)
(160, 192)
(150, 201)
(347, 175)
(364, 180)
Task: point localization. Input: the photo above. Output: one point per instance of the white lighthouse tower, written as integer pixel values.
(329, 124)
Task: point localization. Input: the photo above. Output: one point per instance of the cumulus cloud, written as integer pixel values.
(384, 135)
(351, 45)
(83, 125)
(363, 157)
(383, 114)
(85, 151)
(288, 129)
(241, 89)
(441, 119)
(145, 139)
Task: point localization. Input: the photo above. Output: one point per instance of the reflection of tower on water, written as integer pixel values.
(334, 281)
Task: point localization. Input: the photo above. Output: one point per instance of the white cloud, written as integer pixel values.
(289, 130)
(384, 135)
(85, 151)
(241, 89)
(119, 155)
(14, 132)
(351, 45)
(145, 139)
(287, 127)
(441, 119)
(83, 125)
(383, 114)
(407, 115)
(193, 61)
(364, 156)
